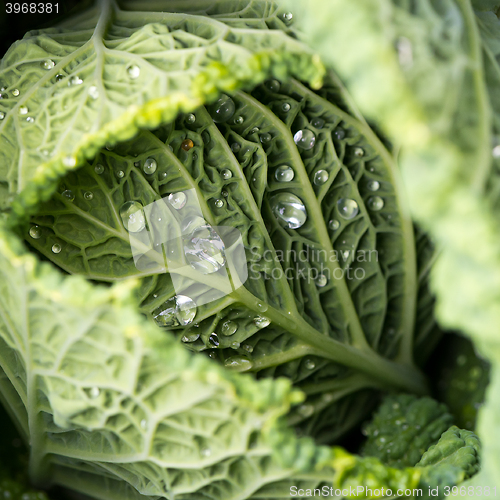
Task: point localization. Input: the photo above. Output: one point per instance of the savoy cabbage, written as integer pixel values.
(126, 326)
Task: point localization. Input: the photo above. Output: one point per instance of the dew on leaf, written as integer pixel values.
(69, 161)
(286, 107)
(213, 340)
(120, 174)
(310, 364)
(15, 92)
(219, 203)
(4, 95)
(261, 321)
(375, 203)
(47, 64)
(149, 167)
(322, 280)
(223, 109)
(265, 138)
(340, 134)
(23, 110)
(190, 118)
(239, 120)
(284, 173)
(59, 77)
(305, 139)
(187, 144)
(94, 392)
(289, 210)
(229, 328)
(177, 200)
(99, 169)
(68, 195)
(273, 85)
(144, 424)
(306, 410)
(334, 224)
(133, 71)
(320, 177)
(247, 348)
(93, 92)
(179, 310)
(373, 185)
(56, 248)
(88, 195)
(317, 122)
(226, 174)
(132, 216)
(205, 452)
(30, 119)
(35, 232)
(235, 147)
(239, 363)
(347, 208)
(287, 17)
(358, 152)
(2, 115)
(75, 80)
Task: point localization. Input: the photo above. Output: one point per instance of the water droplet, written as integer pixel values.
(375, 203)
(317, 122)
(93, 92)
(262, 306)
(373, 185)
(30, 119)
(347, 208)
(235, 147)
(177, 200)
(15, 92)
(226, 174)
(120, 174)
(306, 410)
(219, 203)
(322, 280)
(68, 194)
(496, 152)
(47, 64)
(223, 109)
(23, 110)
(190, 337)
(69, 161)
(94, 392)
(75, 80)
(229, 328)
(334, 224)
(59, 77)
(99, 169)
(204, 250)
(187, 144)
(179, 310)
(144, 424)
(358, 152)
(310, 364)
(340, 134)
(35, 232)
(320, 177)
(213, 340)
(56, 248)
(133, 71)
(254, 130)
(284, 173)
(304, 139)
(225, 193)
(185, 309)
(273, 85)
(264, 138)
(132, 216)
(205, 452)
(239, 363)
(190, 118)
(287, 17)
(149, 167)
(2, 115)
(162, 176)
(89, 195)
(289, 210)
(247, 348)
(261, 321)
(235, 345)
(286, 107)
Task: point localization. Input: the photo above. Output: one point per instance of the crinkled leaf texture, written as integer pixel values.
(428, 73)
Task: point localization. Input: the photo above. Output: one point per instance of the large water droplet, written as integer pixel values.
(56, 248)
(226, 174)
(149, 167)
(133, 71)
(304, 139)
(320, 177)
(348, 208)
(373, 185)
(68, 195)
(99, 169)
(204, 250)
(177, 200)
(47, 64)
(179, 310)
(261, 321)
(229, 328)
(223, 109)
(334, 224)
(35, 232)
(23, 110)
(284, 173)
(120, 174)
(239, 363)
(15, 92)
(289, 210)
(375, 203)
(132, 216)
